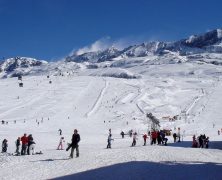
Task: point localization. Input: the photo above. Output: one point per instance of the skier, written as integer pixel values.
(74, 144)
(61, 143)
(159, 138)
(4, 145)
(30, 141)
(206, 142)
(144, 138)
(31, 148)
(200, 141)
(24, 140)
(178, 135)
(174, 137)
(109, 141)
(110, 131)
(153, 136)
(122, 134)
(60, 132)
(194, 143)
(163, 137)
(134, 139)
(17, 143)
(130, 133)
(149, 133)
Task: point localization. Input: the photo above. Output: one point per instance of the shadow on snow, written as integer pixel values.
(48, 160)
(151, 170)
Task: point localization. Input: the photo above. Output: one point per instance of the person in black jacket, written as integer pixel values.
(74, 144)
(30, 141)
(4, 145)
(17, 143)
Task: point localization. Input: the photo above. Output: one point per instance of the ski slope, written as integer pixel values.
(94, 104)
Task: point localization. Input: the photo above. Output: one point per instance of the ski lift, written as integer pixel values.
(21, 84)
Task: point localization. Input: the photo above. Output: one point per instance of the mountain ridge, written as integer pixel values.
(205, 48)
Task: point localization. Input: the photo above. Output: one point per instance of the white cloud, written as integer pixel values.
(100, 44)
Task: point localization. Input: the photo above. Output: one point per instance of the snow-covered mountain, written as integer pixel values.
(98, 56)
(19, 66)
(207, 42)
(109, 54)
(204, 48)
(144, 49)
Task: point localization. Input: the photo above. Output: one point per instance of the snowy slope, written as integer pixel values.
(117, 91)
(84, 102)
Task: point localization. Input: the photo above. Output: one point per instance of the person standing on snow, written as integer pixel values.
(31, 147)
(194, 142)
(24, 140)
(60, 146)
(174, 137)
(17, 143)
(122, 134)
(134, 139)
(144, 139)
(60, 132)
(109, 141)
(206, 142)
(30, 141)
(110, 131)
(154, 137)
(74, 144)
(4, 145)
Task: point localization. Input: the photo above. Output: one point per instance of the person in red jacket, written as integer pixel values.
(153, 136)
(24, 140)
(144, 139)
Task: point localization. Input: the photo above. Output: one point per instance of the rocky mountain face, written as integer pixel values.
(208, 42)
(204, 48)
(98, 56)
(19, 65)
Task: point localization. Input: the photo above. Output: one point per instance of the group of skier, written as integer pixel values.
(201, 141)
(27, 142)
(156, 137)
(26, 145)
(73, 145)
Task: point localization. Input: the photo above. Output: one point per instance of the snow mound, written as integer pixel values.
(116, 73)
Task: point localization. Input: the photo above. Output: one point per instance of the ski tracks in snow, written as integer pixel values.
(98, 100)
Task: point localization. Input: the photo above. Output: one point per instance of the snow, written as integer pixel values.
(219, 33)
(92, 104)
(191, 39)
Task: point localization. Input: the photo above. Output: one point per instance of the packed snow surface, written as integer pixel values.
(94, 104)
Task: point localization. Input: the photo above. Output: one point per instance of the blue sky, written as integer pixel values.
(51, 29)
